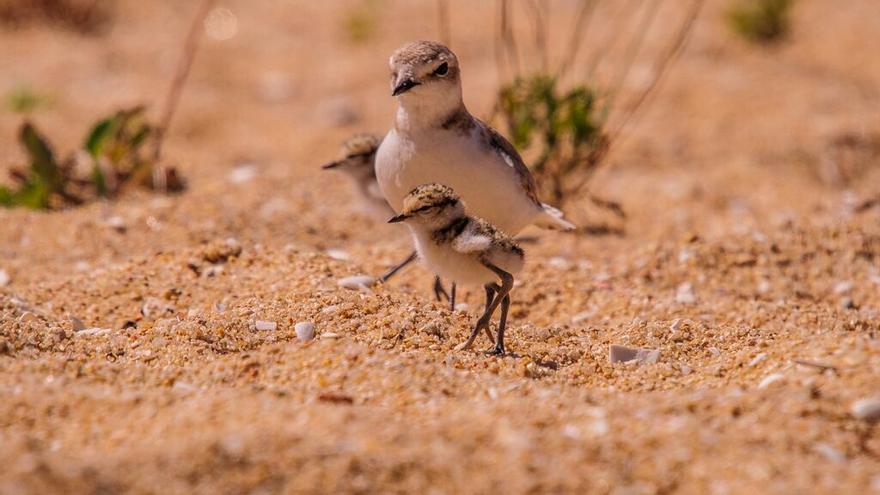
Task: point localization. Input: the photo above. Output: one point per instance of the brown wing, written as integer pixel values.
(502, 146)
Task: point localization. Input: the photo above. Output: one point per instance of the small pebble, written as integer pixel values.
(559, 263)
(337, 254)
(582, 317)
(843, 287)
(829, 452)
(357, 282)
(758, 359)
(242, 173)
(624, 354)
(329, 335)
(88, 332)
(685, 294)
(76, 323)
(714, 351)
(4, 278)
(116, 223)
(866, 409)
(27, 316)
(462, 307)
(847, 303)
(770, 380)
(305, 331)
(267, 326)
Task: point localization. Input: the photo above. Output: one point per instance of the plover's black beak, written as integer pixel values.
(328, 166)
(398, 218)
(404, 86)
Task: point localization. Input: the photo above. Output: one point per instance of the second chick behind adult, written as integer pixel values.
(465, 249)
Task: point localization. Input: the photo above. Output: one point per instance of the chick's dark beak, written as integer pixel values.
(398, 218)
(404, 86)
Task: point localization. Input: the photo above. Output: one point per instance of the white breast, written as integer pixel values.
(451, 265)
(488, 184)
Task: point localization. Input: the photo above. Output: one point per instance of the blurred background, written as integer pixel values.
(753, 111)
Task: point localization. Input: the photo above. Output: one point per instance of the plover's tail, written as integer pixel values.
(553, 218)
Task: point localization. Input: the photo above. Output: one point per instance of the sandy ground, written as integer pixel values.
(746, 259)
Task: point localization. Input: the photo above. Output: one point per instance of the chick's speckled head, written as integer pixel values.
(358, 153)
(430, 204)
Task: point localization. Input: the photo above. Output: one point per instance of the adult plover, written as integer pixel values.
(436, 139)
(357, 157)
(465, 249)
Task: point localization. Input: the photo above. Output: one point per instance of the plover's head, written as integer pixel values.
(425, 69)
(357, 155)
(430, 205)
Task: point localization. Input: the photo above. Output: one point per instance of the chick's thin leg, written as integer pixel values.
(502, 296)
(390, 273)
(483, 321)
(439, 290)
(452, 298)
(499, 344)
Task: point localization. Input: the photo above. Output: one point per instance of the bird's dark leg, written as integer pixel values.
(499, 344)
(439, 290)
(452, 298)
(390, 273)
(483, 322)
(502, 296)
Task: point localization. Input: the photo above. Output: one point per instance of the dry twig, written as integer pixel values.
(172, 98)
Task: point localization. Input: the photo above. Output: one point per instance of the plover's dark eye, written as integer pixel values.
(442, 70)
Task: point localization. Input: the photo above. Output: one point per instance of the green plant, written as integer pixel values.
(760, 21)
(361, 22)
(114, 158)
(23, 99)
(563, 130)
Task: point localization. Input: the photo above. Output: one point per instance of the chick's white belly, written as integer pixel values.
(452, 265)
(489, 186)
(461, 268)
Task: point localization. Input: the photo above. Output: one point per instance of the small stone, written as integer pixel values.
(559, 263)
(714, 351)
(685, 294)
(462, 307)
(843, 287)
(758, 359)
(763, 287)
(243, 173)
(866, 409)
(357, 282)
(116, 223)
(685, 369)
(582, 317)
(624, 354)
(76, 323)
(847, 303)
(305, 331)
(829, 452)
(329, 335)
(94, 331)
(4, 278)
(27, 316)
(675, 325)
(266, 326)
(770, 380)
(337, 254)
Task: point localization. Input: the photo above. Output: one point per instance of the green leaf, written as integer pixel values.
(43, 163)
(33, 195)
(7, 197)
(100, 133)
